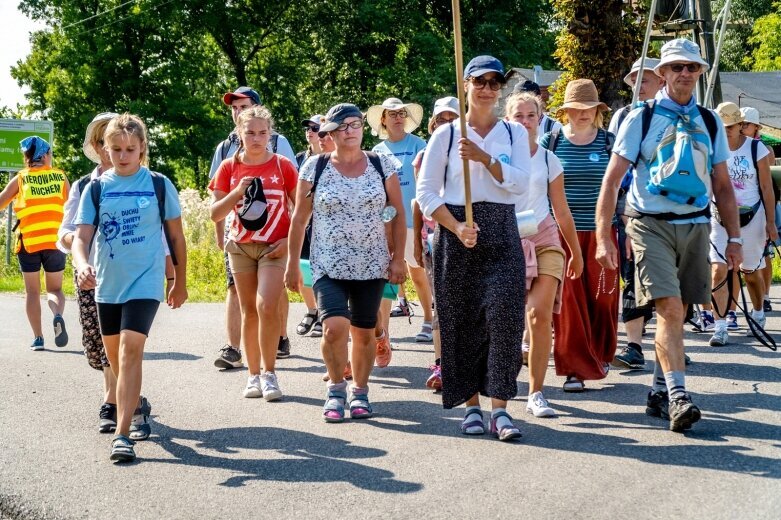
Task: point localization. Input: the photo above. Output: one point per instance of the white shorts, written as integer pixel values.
(754, 237)
(409, 248)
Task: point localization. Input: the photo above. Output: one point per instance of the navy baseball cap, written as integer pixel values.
(336, 116)
(528, 86)
(241, 93)
(483, 65)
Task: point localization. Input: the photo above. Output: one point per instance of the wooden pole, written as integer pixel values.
(461, 106)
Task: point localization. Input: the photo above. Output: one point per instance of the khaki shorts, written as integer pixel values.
(248, 258)
(671, 260)
(550, 261)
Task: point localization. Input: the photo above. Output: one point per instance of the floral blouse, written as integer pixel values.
(348, 234)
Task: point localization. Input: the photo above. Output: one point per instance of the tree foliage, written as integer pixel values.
(600, 40)
(170, 60)
(766, 37)
(738, 46)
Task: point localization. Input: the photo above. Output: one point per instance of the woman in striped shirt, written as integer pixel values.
(586, 329)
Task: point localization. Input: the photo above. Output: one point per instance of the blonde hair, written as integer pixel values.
(517, 98)
(253, 112)
(129, 125)
(97, 139)
(599, 119)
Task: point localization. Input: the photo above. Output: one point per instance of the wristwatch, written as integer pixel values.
(735, 240)
(492, 161)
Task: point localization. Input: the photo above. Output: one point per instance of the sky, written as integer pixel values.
(15, 28)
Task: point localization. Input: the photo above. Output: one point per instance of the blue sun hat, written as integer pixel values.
(38, 145)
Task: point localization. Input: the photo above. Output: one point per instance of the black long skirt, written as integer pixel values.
(481, 298)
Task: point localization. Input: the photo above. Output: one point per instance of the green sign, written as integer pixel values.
(14, 130)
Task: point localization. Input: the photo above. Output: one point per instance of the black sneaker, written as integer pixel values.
(683, 413)
(283, 350)
(229, 357)
(108, 418)
(766, 306)
(657, 404)
(631, 357)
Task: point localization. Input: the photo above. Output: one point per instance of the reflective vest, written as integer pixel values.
(39, 207)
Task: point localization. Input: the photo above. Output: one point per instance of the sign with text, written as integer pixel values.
(14, 130)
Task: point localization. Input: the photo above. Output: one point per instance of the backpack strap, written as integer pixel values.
(509, 130)
(548, 126)
(710, 123)
(322, 162)
(553, 140)
(648, 115)
(754, 153)
(449, 148)
(158, 181)
(274, 142)
(95, 189)
(82, 183)
(622, 115)
(377, 163)
(224, 148)
(610, 140)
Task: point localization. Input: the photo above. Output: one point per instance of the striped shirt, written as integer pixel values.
(584, 167)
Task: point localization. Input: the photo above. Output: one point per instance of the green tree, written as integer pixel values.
(738, 47)
(766, 37)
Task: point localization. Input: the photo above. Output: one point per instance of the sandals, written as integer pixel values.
(333, 410)
(505, 433)
(122, 449)
(317, 330)
(573, 384)
(426, 333)
(140, 430)
(308, 321)
(360, 407)
(473, 426)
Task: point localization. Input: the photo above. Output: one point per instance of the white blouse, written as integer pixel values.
(433, 191)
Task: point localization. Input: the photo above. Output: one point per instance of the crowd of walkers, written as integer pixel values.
(530, 260)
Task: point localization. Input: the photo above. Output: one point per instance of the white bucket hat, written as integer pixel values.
(650, 64)
(678, 50)
(374, 116)
(89, 151)
(446, 104)
(750, 115)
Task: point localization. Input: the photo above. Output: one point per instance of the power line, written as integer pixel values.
(98, 14)
(158, 6)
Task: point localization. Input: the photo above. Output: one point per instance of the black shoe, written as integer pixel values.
(766, 307)
(683, 413)
(657, 404)
(229, 357)
(631, 357)
(108, 418)
(283, 350)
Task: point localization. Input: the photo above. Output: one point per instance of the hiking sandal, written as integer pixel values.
(474, 423)
(333, 410)
(307, 322)
(360, 407)
(122, 449)
(505, 433)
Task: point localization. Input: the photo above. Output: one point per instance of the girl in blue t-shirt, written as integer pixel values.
(129, 271)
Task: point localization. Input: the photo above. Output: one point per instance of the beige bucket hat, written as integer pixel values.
(729, 113)
(374, 116)
(582, 94)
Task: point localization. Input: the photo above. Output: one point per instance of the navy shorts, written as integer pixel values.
(356, 300)
(135, 315)
(52, 260)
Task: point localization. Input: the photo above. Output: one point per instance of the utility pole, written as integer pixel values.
(703, 34)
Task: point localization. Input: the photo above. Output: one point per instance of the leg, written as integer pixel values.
(634, 331)
(111, 344)
(284, 308)
(334, 346)
(362, 356)
(755, 282)
(383, 315)
(720, 295)
(419, 279)
(233, 317)
(109, 386)
(669, 334)
(246, 290)
(54, 294)
(131, 353)
(32, 298)
(270, 288)
(539, 314)
(309, 297)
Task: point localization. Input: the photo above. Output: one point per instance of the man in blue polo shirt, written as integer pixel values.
(670, 239)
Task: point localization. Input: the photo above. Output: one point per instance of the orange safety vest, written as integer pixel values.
(39, 207)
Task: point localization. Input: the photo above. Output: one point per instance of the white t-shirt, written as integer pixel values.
(542, 175)
(743, 174)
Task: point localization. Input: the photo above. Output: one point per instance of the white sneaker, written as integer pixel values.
(270, 386)
(760, 321)
(538, 406)
(253, 387)
(719, 339)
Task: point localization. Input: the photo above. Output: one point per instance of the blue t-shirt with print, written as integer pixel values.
(628, 146)
(129, 254)
(404, 151)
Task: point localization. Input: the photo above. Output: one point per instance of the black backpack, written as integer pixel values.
(158, 181)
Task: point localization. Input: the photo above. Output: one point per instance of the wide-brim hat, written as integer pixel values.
(649, 65)
(729, 113)
(86, 147)
(582, 94)
(681, 50)
(374, 116)
(750, 115)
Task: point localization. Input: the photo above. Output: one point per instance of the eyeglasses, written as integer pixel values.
(397, 113)
(355, 125)
(444, 120)
(691, 67)
(480, 82)
(313, 128)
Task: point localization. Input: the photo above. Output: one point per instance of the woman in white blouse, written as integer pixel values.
(478, 271)
(346, 195)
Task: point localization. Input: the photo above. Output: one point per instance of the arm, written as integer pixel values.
(81, 242)
(295, 238)
(9, 192)
(177, 294)
(397, 269)
(512, 176)
(567, 226)
(724, 194)
(68, 228)
(417, 228)
(607, 253)
(768, 198)
(225, 202)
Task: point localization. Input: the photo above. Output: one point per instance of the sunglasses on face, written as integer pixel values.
(355, 125)
(480, 82)
(396, 113)
(691, 67)
(313, 128)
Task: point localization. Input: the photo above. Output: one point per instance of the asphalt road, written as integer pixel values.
(214, 454)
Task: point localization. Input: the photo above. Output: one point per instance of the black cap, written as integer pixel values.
(528, 86)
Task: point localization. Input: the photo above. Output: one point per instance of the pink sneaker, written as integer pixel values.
(434, 381)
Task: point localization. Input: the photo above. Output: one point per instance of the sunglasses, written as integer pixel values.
(691, 67)
(355, 125)
(480, 82)
(396, 113)
(313, 128)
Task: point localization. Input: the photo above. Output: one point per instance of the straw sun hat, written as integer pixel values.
(582, 94)
(86, 147)
(374, 116)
